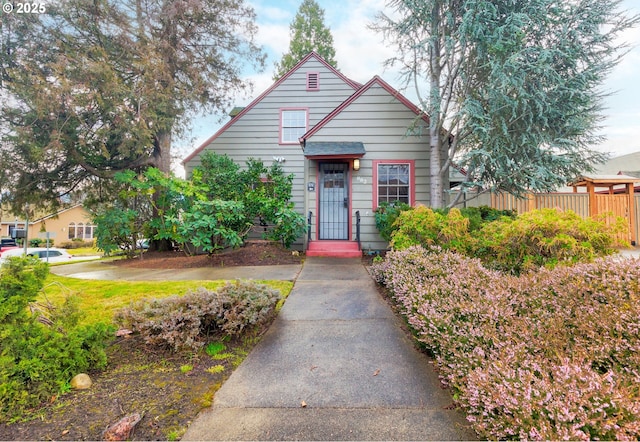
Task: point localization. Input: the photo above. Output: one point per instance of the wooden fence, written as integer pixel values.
(610, 205)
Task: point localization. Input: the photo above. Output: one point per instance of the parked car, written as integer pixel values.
(50, 255)
(7, 244)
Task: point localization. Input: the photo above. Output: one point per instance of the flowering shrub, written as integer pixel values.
(547, 355)
(183, 322)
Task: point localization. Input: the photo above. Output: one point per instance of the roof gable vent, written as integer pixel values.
(313, 81)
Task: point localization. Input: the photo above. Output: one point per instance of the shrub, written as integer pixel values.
(423, 226)
(547, 355)
(479, 216)
(184, 322)
(42, 348)
(545, 237)
(386, 215)
(76, 243)
(37, 242)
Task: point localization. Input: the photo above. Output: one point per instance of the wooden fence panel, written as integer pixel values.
(505, 201)
(611, 207)
(637, 214)
(577, 202)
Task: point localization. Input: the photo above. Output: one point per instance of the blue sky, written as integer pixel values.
(360, 54)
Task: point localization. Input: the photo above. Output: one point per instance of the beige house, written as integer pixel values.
(62, 226)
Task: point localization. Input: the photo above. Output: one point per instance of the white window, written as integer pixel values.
(81, 231)
(393, 182)
(293, 125)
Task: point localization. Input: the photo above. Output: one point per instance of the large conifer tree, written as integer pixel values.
(308, 33)
(92, 87)
(512, 87)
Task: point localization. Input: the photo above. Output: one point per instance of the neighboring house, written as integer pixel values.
(63, 226)
(628, 164)
(349, 146)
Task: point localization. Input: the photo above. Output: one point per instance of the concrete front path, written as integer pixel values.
(335, 365)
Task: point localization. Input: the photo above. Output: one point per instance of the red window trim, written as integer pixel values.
(412, 179)
(306, 123)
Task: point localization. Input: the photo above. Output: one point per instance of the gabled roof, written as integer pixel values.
(628, 164)
(605, 180)
(374, 81)
(314, 55)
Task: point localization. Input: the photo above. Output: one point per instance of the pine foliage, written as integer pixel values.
(308, 33)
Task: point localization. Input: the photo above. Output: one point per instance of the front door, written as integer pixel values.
(334, 201)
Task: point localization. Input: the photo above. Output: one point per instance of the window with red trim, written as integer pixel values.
(293, 125)
(393, 182)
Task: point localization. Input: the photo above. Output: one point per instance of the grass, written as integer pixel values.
(99, 300)
(84, 251)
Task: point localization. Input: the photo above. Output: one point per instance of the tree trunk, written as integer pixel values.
(162, 156)
(162, 151)
(435, 140)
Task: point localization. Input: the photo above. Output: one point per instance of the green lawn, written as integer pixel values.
(85, 251)
(100, 299)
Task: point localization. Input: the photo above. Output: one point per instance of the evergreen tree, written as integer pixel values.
(95, 87)
(512, 86)
(308, 33)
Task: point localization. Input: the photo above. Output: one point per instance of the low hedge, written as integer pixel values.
(540, 238)
(187, 322)
(547, 355)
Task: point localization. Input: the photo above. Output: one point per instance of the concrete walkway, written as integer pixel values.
(335, 365)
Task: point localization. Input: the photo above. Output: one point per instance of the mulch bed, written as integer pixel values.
(253, 253)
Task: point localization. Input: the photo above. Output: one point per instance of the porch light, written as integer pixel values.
(356, 164)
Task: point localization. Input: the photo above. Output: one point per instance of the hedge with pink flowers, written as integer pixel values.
(553, 354)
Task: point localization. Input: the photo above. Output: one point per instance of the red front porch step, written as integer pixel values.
(337, 249)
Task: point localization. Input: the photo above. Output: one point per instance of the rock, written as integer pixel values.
(123, 429)
(81, 381)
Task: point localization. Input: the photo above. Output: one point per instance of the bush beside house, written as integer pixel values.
(550, 354)
(503, 241)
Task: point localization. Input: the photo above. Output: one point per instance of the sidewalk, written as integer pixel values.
(335, 365)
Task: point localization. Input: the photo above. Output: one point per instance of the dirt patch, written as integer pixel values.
(253, 253)
(168, 389)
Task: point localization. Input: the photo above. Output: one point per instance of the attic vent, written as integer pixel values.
(313, 83)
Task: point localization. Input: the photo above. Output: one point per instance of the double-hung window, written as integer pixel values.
(293, 125)
(393, 182)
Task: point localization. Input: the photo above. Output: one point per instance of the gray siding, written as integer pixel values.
(380, 121)
(255, 133)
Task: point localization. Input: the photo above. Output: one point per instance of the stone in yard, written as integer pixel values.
(81, 381)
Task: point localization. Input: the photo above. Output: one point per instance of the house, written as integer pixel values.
(628, 164)
(350, 147)
(64, 225)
